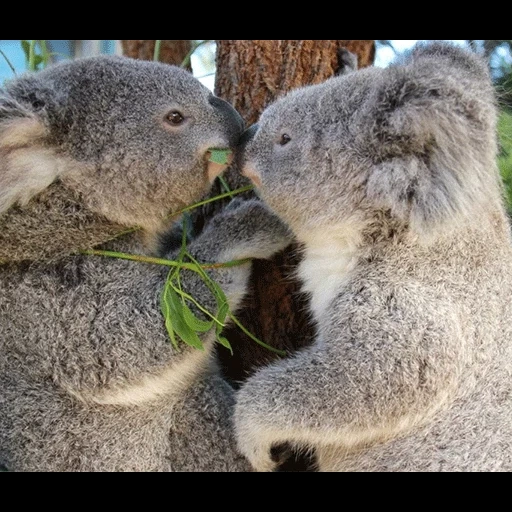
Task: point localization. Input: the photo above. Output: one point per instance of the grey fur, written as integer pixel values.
(390, 182)
(88, 378)
(347, 61)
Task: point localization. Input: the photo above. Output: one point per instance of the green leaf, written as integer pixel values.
(185, 295)
(165, 307)
(221, 315)
(222, 300)
(181, 328)
(225, 343)
(219, 156)
(195, 323)
(25, 45)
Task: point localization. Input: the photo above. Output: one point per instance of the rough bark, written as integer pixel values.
(171, 51)
(250, 75)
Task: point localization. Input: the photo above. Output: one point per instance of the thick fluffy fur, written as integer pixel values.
(88, 378)
(388, 178)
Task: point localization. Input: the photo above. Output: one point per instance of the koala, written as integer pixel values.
(89, 380)
(388, 179)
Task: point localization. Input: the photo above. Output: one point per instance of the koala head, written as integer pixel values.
(414, 141)
(127, 139)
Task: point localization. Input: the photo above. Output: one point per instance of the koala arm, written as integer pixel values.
(243, 230)
(377, 372)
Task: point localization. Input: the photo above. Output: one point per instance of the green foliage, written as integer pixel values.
(180, 321)
(220, 156)
(176, 305)
(156, 53)
(9, 63)
(505, 155)
(35, 59)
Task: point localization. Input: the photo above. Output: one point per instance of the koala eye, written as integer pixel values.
(285, 138)
(174, 118)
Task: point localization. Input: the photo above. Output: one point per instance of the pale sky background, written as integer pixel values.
(203, 60)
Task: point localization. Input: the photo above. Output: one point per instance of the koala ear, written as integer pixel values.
(432, 136)
(27, 166)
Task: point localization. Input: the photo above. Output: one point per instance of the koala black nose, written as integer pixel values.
(246, 136)
(234, 121)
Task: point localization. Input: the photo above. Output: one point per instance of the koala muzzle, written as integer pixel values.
(244, 139)
(247, 136)
(234, 122)
(246, 169)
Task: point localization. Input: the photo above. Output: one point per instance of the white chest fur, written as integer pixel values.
(330, 255)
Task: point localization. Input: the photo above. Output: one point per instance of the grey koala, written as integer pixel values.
(388, 177)
(89, 380)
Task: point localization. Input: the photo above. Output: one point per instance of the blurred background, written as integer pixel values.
(17, 56)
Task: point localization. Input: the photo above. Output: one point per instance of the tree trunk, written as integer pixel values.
(250, 75)
(171, 51)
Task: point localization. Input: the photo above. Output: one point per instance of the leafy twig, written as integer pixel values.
(8, 62)
(237, 322)
(44, 52)
(160, 261)
(216, 198)
(32, 55)
(156, 53)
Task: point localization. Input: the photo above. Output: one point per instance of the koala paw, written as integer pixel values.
(255, 231)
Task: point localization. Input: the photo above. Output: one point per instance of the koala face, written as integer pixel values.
(131, 138)
(301, 155)
(415, 141)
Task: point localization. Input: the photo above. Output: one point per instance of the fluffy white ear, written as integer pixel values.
(26, 167)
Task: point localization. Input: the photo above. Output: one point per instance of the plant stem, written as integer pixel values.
(8, 62)
(216, 198)
(225, 185)
(32, 56)
(258, 341)
(162, 261)
(156, 54)
(44, 52)
(185, 295)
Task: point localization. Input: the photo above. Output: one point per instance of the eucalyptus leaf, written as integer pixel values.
(221, 315)
(219, 155)
(25, 45)
(181, 328)
(225, 343)
(165, 307)
(195, 323)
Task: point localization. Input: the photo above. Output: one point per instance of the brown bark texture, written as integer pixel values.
(250, 74)
(171, 51)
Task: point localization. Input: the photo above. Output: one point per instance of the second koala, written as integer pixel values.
(88, 378)
(388, 177)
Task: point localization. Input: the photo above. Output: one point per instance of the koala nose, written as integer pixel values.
(246, 168)
(247, 136)
(233, 120)
(244, 139)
